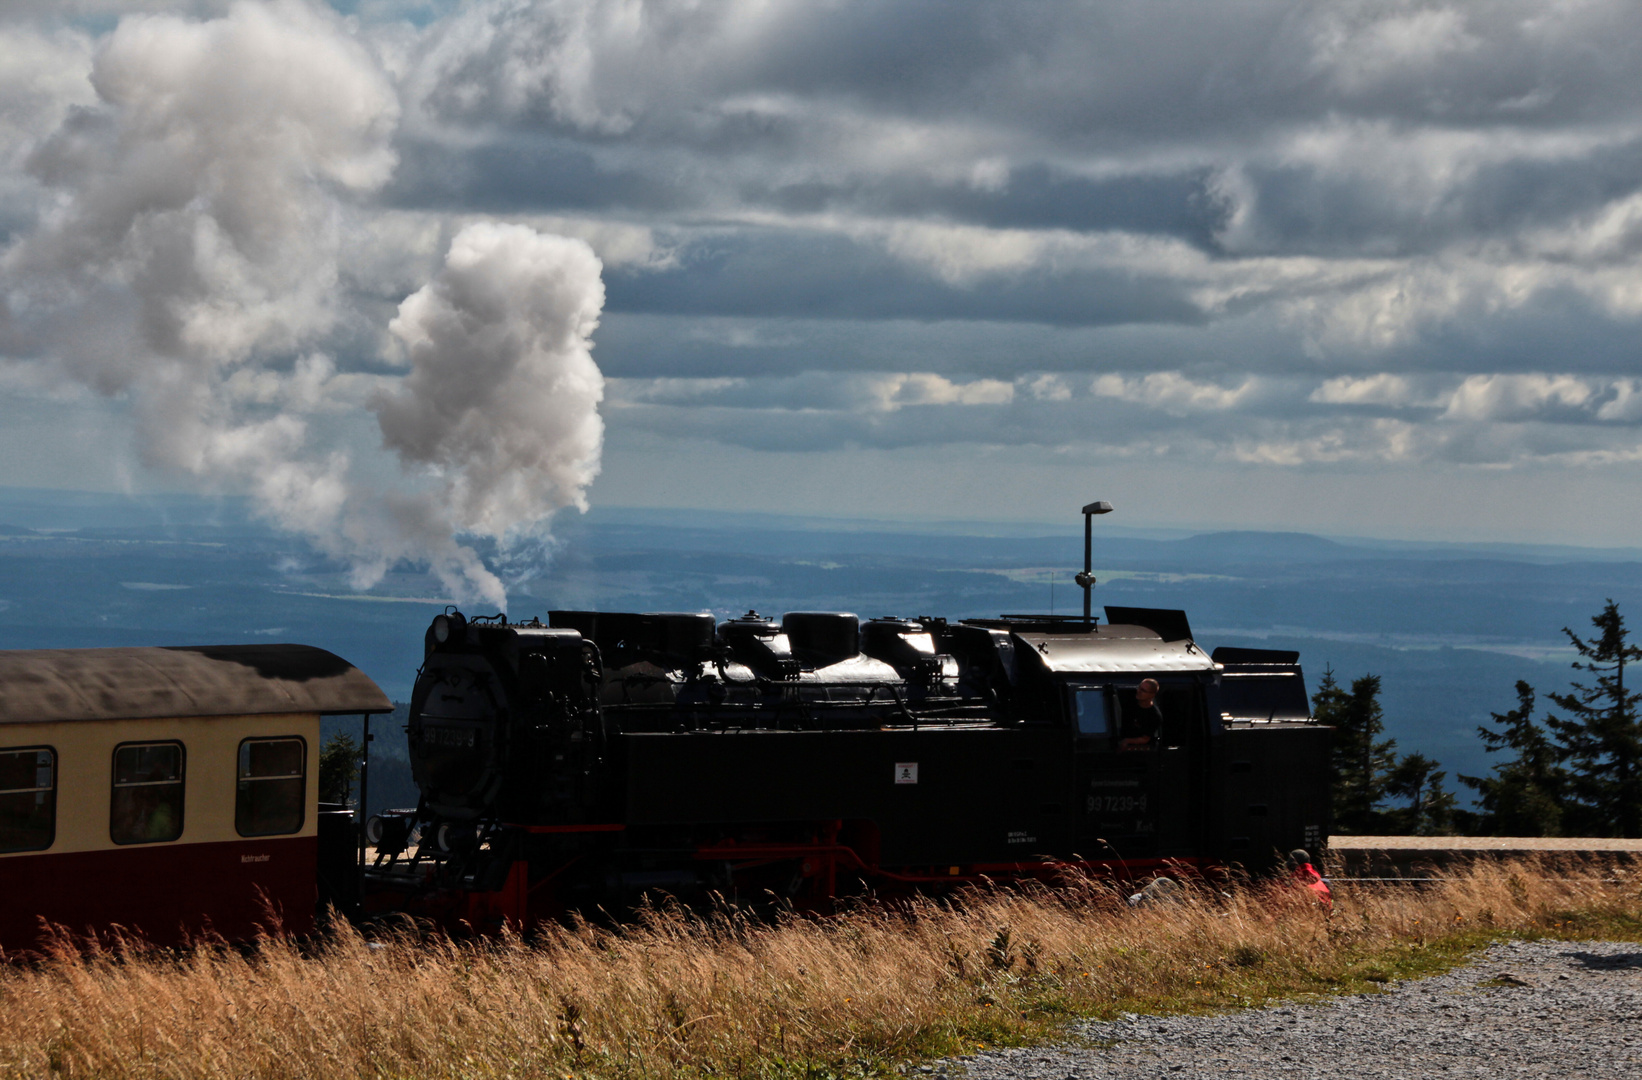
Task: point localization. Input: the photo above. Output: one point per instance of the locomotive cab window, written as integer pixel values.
(273, 784)
(148, 793)
(1168, 721)
(1092, 707)
(28, 798)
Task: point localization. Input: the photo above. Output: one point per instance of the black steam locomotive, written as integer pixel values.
(601, 756)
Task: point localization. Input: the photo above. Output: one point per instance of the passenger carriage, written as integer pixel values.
(168, 791)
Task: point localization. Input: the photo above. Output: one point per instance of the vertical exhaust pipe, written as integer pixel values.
(1087, 578)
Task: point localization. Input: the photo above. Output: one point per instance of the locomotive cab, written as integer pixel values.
(1135, 767)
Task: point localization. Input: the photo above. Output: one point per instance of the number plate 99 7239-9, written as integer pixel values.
(1116, 804)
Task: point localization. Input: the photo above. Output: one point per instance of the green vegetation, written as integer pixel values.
(1524, 797)
(1599, 742)
(339, 767)
(1577, 774)
(1367, 769)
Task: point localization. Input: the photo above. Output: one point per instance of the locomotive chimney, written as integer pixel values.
(1087, 578)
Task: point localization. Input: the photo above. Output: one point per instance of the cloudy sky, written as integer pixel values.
(1348, 267)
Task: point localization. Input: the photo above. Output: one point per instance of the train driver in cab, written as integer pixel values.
(1144, 721)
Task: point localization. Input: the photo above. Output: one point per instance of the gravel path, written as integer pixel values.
(1547, 1008)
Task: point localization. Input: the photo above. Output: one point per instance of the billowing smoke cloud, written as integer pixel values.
(204, 195)
(190, 261)
(501, 404)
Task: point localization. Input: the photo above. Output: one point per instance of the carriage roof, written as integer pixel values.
(52, 685)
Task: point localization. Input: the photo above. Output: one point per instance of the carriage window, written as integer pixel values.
(272, 786)
(28, 798)
(147, 803)
(1092, 709)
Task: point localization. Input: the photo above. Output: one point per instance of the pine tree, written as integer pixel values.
(338, 767)
(1524, 796)
(1430, 809)
(1361, 760)
(1600, 742)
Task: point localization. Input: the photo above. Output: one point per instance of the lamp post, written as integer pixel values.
(1087, 579)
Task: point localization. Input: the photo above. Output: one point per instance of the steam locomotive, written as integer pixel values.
(602, 757)
(599, 757)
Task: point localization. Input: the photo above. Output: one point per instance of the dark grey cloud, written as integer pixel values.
(534, 173)
(1562, 331)
(527, 173)
(1376, 186)
(1305, 209)
(762, 273)
(1147, 71)
(879, 107)
(1032, 196)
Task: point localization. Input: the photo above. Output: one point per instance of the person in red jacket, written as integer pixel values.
(1307, 875)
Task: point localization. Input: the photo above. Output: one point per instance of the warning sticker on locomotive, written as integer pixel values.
(906, 772)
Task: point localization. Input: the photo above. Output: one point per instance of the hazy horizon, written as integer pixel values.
(1449, 629)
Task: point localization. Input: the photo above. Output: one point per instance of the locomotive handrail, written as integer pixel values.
(722, 660)
(785, 685)
(979, 713)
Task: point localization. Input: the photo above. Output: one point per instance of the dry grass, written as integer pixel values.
(677, 995)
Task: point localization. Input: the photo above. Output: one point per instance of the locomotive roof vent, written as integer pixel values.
(894, 637)
(752, 623)
(820, 638)
(909, 647)
(760, 644)
(673, 638)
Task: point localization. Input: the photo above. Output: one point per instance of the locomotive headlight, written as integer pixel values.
(448, 628)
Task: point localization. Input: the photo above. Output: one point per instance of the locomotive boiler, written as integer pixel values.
(597, 757)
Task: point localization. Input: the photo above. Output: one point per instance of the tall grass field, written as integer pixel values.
(676, 994)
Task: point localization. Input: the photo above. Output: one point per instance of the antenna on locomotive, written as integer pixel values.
(1087, 578)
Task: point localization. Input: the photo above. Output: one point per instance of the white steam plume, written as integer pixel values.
(203, 195)
(189, 260)
(501, 404)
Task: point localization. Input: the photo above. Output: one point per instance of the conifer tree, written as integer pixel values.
(339, 767)
(1600, 741)
(1524, 796)
(1362, 761)
(1430, 809)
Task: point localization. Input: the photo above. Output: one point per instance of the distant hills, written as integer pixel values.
(1448, 627)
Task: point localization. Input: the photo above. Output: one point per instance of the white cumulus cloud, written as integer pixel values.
(1516, 397)
(1173, 392)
